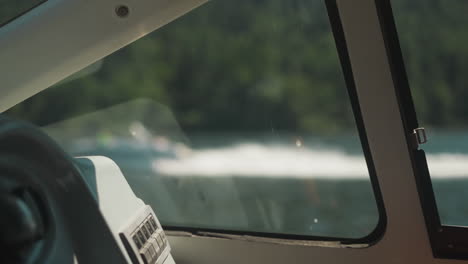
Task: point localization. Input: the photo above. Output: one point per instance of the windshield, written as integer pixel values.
(234, 117)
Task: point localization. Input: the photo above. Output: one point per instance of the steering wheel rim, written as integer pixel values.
(53, 245)
(30, 159)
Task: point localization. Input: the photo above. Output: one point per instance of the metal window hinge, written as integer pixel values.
(419, 136)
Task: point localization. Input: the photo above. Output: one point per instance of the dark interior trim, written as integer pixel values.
(21, 13)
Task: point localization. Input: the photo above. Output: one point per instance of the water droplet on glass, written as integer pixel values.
(298, 143)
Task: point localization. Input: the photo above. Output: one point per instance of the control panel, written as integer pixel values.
(144, 239)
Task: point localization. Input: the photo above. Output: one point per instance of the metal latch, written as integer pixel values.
(419, 135)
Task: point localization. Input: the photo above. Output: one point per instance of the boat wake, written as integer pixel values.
(259, 160)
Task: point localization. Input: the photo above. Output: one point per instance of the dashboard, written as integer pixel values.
(144, 239)
(133, 223)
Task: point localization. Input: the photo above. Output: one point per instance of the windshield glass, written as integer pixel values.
(233, 117)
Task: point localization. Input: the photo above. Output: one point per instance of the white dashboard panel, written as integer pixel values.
(125, 213)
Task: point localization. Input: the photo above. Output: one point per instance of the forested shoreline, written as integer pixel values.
(255, 65)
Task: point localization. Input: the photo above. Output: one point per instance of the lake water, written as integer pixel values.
(278, 183)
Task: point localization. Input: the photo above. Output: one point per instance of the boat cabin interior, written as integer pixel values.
(222, 131)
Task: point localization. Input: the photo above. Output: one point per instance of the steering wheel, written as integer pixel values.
(48, 215)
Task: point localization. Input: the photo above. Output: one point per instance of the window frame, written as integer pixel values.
(378, 232)
(447, 242)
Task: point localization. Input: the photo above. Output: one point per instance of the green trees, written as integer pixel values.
(256, 65)
(434, 41)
